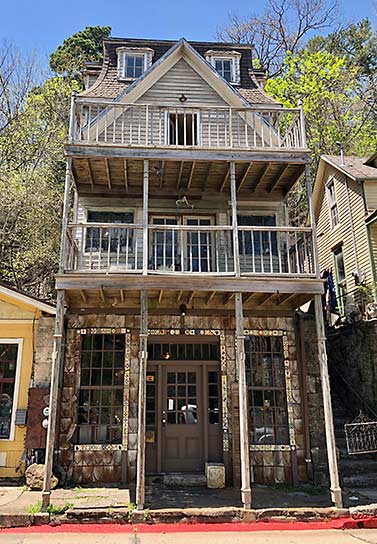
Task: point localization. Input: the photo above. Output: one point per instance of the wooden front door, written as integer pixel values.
(182, 418)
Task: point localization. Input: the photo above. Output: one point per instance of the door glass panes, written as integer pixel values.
(151, 399)
(164, 250)
(181, 402)
(265, 374)
(213, 397)
(8, 364)
(258, 249)
(198, 247)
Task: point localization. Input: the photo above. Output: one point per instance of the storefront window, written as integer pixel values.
(265, 374)
(8, 367)
(101, 389)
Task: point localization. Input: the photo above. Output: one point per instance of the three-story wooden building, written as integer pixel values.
(180, 273)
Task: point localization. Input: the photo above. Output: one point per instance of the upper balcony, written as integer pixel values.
(108, 141)
(105, 123)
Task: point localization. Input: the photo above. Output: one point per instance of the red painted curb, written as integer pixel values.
(341, 523)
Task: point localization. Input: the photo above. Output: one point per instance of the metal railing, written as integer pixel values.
(147, 125)
(178, 249)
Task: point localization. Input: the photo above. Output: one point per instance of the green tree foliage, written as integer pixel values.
(32, 178)
(334, 102)
(83, 46)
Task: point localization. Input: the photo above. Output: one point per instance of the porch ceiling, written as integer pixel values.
(165, 302)
(114, 175)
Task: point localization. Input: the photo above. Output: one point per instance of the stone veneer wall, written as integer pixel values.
(352, 355)
(105, 465)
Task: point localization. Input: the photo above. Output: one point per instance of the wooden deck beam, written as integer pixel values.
(260, 284)
(224, 182)
(210, 297)
(263, 172)
(244, 176)
(191, 297)
(90, 175)
(275, 182)
(258, 155)
(125, 169)
(180, 174)
(189, 182)
(108, 173)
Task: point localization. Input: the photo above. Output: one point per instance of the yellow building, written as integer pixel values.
(19, 317)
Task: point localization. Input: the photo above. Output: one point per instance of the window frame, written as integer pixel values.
(17, 379)
(124, 52)
(86, 250)
(332, 202)
(94, 427)
(341, 285)
(263, 389)
(234, 57)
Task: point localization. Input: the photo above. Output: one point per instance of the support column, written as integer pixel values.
(53, 402)
(143, 357)
(233, 194)
(336, 492)
(57, 348)
(145, 216)
(242, 391)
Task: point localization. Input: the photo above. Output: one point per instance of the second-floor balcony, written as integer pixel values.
(195, 250)
(221, 128)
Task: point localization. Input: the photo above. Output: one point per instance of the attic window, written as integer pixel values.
(133, 62)
(227, 64)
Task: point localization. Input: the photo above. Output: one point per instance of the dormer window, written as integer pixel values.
(133, 62)
(226, 63)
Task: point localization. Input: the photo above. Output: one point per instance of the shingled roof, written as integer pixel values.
(109, 86)
(355, 167)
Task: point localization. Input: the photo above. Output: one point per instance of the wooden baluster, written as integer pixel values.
(146, 125)
(254, 130)
(209, 128)
(118, 231)
(261, 251)
(270, 127)
(100, 249)
(238, 129)
(122, 126)
(297, 256)
(246, 131)
(184, 128)
(270, 250)
(253, 250)
(131, 123)
(182, 253)
(262, 129)
(278, 242)
(288, 252)
(105, 135)
(108, 247)
(176, 127)
(217, 129)
(128, 234)
(114, 124)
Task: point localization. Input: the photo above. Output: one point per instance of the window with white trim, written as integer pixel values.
(227, 65)
(333, 206)
(9, 361)
(133, 62)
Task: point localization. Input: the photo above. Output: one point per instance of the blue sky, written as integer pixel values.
(42, 25)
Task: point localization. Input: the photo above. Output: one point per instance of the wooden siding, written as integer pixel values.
(329, 238)
(373, 242)
(182, 79)
(370, 188)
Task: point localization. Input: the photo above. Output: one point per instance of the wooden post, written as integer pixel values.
(312, 219)
(53, 403)
(57, 350)
(242, 391)
(336, 492)
(233, 193)
(145, 217)
(143, 357)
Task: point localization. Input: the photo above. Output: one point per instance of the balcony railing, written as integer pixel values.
(190, 250)
(146, 125)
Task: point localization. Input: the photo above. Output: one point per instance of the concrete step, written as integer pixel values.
(352, 466)
(360, 481)
(184, 480)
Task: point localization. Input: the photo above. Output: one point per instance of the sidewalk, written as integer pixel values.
(21, 507)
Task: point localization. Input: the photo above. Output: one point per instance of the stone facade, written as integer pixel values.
(271, 464)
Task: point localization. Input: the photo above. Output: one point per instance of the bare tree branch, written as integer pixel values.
(282, 27)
